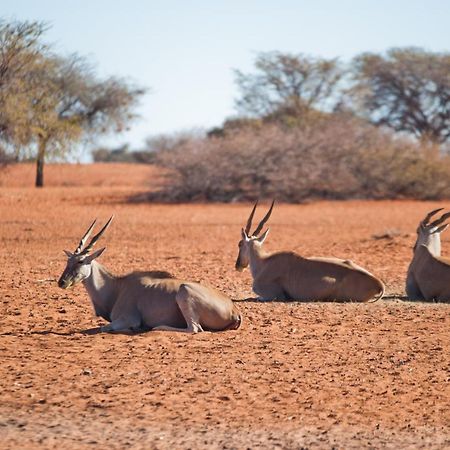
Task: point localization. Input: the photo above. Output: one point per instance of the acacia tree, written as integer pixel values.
(21, 53)
(288, 85)
(82, 106)
(62, 100)
(406, 89)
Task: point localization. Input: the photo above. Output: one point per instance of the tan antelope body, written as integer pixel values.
(428, 277)
(289, 276)
(147, 300)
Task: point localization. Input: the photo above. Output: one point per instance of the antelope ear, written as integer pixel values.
(244, 235)
(94, 255)
(263, 237)
(68, 254)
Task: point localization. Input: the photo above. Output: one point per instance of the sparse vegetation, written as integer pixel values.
(122, 154)
(48, 103)
(406, 89)
(289, 88)
(337, 158)
(311, 129)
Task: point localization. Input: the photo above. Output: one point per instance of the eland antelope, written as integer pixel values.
(146, 300)
(428, 277)
(289, 276)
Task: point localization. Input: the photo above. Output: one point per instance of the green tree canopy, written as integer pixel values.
(48, 103)
(288, 85)
(407, 89)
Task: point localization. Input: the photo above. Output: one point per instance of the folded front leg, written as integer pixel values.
(121, 324)
(191, 328)
(269, 291)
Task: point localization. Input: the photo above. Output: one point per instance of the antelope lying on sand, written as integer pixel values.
(146, 300)
(288, 276)
(428, 276)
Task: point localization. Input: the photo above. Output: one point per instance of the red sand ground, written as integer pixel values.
(311, 375)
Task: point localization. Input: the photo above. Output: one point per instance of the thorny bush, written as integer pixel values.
(336, 158)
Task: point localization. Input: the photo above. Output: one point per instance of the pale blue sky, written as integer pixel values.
(185, 50)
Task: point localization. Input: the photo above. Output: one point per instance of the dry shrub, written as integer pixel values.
(338, 158)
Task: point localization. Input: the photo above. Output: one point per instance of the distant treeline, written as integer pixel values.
(123, 154)
(377, 126)
(311, 128)
(338, 157)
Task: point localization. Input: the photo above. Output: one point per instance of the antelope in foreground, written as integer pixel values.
(146, 300)
(428, 276)
(288, 276)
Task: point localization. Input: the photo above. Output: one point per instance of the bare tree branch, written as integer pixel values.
(406, 89)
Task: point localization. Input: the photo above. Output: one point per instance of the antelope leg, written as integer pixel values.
(121, 323)
(189, 301)
(195, 328)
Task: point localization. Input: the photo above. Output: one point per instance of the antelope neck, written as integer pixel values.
(257, 256)
(434, 244)
(102, 289)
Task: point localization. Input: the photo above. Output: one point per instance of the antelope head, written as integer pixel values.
(79, 262)
(251, 240)
(428, 233)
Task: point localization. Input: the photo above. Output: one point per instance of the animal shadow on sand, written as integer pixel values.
(98, 330)
(391, 297)
(86, 332)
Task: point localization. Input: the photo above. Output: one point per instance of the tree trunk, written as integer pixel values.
(40, 162)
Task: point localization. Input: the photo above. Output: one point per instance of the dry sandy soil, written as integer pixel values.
(295, 375)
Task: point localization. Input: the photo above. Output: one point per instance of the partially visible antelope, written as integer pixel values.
(428, 277)
(146, 300)
(289, 276)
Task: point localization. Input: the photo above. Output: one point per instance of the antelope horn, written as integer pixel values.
(84, 239)
(440, 220)
(250, 218)
(430, 215)
(97, 236)
(265, 219)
